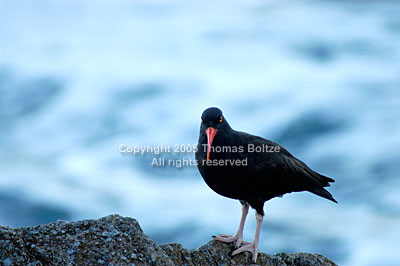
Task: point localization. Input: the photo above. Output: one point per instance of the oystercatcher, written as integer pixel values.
(252, 170)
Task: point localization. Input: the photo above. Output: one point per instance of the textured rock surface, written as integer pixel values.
(116, 240)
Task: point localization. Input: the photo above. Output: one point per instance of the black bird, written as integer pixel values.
(251, 169)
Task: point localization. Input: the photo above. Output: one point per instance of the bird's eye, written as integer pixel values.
(220, 119)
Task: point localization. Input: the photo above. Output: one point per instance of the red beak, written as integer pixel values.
(210, 136)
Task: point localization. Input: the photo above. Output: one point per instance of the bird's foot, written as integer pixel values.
(229, 239)
(249, 247)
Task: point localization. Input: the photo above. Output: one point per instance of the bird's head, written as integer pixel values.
(212, 121)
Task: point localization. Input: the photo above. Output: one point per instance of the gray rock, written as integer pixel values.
(7, 262)
(116, 240)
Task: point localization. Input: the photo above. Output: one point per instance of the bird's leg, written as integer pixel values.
(238, 237)
(252, 247)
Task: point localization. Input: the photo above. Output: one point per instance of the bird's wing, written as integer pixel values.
(280, 169)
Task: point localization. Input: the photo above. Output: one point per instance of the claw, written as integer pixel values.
(250, 248)
(238, 237)
(253, 247)
(229, 239)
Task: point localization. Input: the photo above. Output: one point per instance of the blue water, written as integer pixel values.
(77, 79)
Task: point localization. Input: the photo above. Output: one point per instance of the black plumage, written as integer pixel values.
(258, 176)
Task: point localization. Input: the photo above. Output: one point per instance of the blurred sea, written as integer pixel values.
(79, 78)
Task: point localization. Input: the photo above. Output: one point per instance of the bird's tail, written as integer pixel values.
(318, 181)
(327, 179)
(323, 193)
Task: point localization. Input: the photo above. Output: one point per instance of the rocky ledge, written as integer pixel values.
(116, 240)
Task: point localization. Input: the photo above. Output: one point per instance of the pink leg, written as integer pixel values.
(253, 247)
(238, 237)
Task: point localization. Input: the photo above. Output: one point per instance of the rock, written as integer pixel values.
(116, 240)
